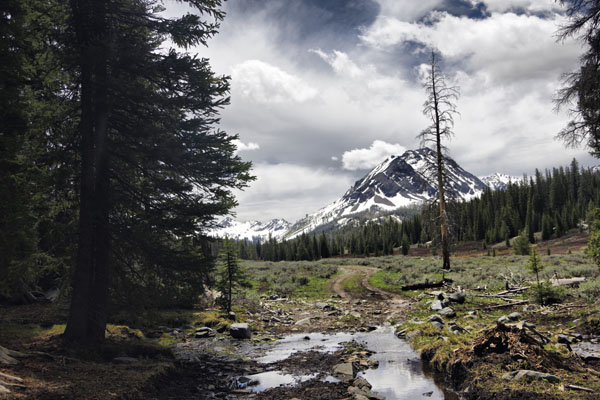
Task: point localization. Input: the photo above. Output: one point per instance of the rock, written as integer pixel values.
(323, 306)
(436, 305)
(503, 319)
(240, 331)
(457, 298)
(275, 319)
(438, 294)
(361, 383)
(204, 332)
(401, 334)
(273, 297)
(222, 328)
(437, 325)
(124, 360)
(428, 394)
(454, 327)
(305, 321)
(436, 317)
(306, 338)
(515, 316)
(373, 363)
(448, 312)
(355, 314)
(371, 328)
(534, 375)
(445, 303)
(564, 339)
(344, 369)
(231, 315)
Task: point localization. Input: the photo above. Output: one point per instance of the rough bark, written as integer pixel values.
(87, 316)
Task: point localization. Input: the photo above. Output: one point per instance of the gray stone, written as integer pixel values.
(344, 369)
(437, 325)
(436, 317)
(564, 339)
(240, 331)
(323, 306)
(305, 321)
(503, 319)
(413, 334)
(454, 327)
(361, 383)
(445, 303)
(447, 312)
(529, 374)
(436, 305)
(273, 297)
(457, 298)
(204, 332)
(515, 316)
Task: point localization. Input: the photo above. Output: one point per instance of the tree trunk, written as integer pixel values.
(87, 316)
(440, 177)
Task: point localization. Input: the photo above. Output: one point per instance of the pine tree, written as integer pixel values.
(231, 275)
(155, 168)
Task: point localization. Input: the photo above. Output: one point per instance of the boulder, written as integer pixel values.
(436, 317)
(436, 305)
(447, 312)
(344, 369)
(240, 331)
(529, 374)
(437, 325)
(564, 339)
(361, 383)
(457, 298)
(204, 332)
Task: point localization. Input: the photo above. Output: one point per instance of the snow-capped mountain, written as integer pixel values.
(250, 230)
(498, 181)
(397, 182)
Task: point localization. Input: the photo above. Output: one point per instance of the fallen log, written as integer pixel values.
(518, 303)
(12, 378)
(515, 290)
(579, 388)
(9, 357)
(427, 285)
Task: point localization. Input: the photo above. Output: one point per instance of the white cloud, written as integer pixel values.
(379, 150)
(267, 83)
(341, 63)
(241, 146)
(505, 47)
(290, 191)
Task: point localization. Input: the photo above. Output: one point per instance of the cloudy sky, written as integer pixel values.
(324, 90)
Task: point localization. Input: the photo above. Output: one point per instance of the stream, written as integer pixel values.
(400, 373)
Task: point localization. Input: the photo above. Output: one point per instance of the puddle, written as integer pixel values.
(271, 379)
(400, 373)
(399, 376)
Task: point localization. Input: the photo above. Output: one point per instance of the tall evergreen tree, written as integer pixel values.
(155, 169)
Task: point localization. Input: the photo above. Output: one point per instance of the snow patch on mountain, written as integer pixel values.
(498, 181)
(250, 230)
(399, 181)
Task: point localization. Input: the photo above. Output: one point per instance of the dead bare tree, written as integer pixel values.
(439, 108)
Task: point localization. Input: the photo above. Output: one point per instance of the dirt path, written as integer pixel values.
(349, 271)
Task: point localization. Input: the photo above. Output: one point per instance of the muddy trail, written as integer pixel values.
(342, 347)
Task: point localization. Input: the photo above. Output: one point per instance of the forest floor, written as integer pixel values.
(471, 349)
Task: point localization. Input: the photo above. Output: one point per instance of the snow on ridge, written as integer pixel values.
(250, 230)
(499, 181)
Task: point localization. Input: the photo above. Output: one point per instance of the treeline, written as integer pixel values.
(551, 203)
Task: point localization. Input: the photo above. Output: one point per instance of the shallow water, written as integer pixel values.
(399, 376)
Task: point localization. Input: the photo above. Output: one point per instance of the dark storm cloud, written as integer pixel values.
(311, 22)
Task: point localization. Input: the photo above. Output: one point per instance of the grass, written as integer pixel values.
(353, 285)
(316, 288)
